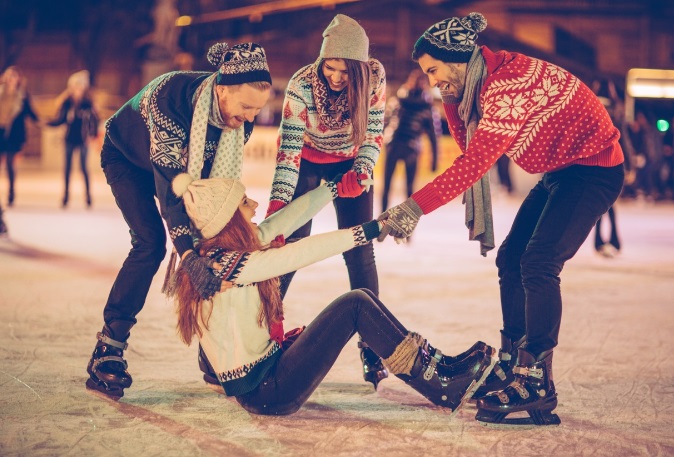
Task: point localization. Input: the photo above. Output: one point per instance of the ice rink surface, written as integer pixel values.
(613, 366)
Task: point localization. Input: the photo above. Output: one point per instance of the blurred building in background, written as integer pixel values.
(123, 43)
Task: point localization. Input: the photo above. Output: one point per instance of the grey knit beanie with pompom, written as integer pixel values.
(452, 40)
(243, 63)
(210, 203)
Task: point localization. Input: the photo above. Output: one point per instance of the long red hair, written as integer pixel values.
(193, 312)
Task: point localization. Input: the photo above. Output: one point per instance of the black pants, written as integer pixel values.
(350, 212)
(134, 193)
(302, 367)
(11, 174)
(551, 225)
(70, 150)
(395, 152)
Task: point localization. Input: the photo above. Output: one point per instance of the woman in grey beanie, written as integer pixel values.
(333, 119)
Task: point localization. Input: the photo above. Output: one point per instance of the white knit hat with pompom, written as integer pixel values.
(210, 203)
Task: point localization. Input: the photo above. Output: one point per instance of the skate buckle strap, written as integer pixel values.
(109, 358)
(430, 370)
(504, 356)
(529, 371)
(521, 390)
(498, 371)
(107, 340)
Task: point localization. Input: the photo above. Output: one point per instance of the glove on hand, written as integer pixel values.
(201, 275)
(400, 221)
(349, 186)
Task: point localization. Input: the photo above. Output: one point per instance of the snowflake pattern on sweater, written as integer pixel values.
(540, 115)
(309, 120)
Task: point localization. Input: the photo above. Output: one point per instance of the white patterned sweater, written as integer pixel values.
(240, 351)
(311, 124)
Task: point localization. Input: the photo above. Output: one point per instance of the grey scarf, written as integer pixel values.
(478, 198)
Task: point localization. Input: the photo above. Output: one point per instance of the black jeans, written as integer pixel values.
(551, 225)
(70, 150)
(302, 367)
(350, 212)
(134, 193)
(395, 152)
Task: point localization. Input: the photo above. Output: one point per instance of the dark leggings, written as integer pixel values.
(302, 367)
(70, 150)
(11, 174)
(350, 212)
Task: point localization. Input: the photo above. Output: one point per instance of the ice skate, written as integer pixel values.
(532, 392)
(502, 374)
(373, 368)
(210, 378)
(449, 386)
(477, 346)
(107, 367)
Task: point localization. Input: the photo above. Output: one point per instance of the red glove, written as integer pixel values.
(349, 186)
(274, 205)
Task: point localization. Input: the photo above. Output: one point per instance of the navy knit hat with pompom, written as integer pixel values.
(243, 63)
(452, 40)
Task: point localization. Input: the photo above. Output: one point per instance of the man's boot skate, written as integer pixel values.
(210, 378)
(373, 368)
(447, 385)
(532, 391)
(107, 367)
(502, 374)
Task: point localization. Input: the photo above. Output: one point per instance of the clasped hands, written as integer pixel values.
(400, 221)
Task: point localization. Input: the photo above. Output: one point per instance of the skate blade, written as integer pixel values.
(101, 390)
(475, 385)
(500, 421)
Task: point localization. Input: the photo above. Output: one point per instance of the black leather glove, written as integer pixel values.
(200, 273)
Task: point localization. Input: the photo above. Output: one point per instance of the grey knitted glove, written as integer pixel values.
(400, 221)
(200, 273)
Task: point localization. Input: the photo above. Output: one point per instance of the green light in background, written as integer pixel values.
(662, 125)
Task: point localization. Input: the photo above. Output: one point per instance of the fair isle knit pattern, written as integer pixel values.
(167, 138)
(309, 120)
(536, 113)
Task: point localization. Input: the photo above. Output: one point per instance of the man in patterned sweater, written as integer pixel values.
(547, 121)
(195, 122)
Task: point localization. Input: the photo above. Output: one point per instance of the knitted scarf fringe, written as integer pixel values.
(404, 355)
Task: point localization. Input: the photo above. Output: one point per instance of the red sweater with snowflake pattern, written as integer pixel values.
(539, 115)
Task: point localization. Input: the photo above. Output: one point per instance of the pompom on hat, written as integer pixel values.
(344, 38)
(451, 40)
(210, 203)
(243, 63)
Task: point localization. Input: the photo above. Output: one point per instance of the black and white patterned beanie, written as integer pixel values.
(452, 40)
(243, 63)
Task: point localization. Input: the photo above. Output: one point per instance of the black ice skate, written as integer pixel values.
(373, 368)
(448, 385)
(107, 367)
(502, 375)
(532, 391)
(478, 346)
(210, 378)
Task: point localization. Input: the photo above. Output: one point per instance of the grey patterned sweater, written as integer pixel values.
(151, 131)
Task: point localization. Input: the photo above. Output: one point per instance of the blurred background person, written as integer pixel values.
(411, 116)
(15, 105)
(77, 112)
